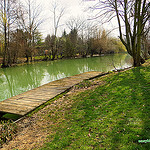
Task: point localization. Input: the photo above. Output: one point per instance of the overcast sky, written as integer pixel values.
(74, 8)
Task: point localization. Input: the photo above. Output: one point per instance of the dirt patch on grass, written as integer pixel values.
(33, 131)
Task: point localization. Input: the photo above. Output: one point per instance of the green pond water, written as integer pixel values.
(16, 80)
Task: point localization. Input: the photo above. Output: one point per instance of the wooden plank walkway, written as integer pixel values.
(30, 100)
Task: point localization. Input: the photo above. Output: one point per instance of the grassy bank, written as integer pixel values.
(114, 115)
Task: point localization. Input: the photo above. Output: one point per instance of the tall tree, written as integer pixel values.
(8, 17)
(71, 41)
(132, 17)
(58, 12)
(51, 45)
(30, 19)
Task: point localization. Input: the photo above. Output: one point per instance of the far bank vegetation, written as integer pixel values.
(21, 39)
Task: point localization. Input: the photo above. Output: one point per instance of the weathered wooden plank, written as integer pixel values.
(15, 110)
(42, 97)
(16, 106)
(51, 87)
(25, 99)
(23, 103)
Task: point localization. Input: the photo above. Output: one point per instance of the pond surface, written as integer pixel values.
(16, 80)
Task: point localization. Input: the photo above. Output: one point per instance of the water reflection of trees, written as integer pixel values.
(17, 80)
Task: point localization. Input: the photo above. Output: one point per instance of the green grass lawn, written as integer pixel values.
(113, 116)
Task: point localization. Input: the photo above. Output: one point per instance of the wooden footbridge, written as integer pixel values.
(26, 102)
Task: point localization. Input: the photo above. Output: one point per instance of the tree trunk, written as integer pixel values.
(5, 37)
(9, 60)
(27, 57)
(136, 62)
(53, 55)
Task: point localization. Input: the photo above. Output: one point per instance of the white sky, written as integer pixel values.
(74, 8)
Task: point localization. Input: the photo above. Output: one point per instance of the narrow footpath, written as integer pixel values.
(26, 102)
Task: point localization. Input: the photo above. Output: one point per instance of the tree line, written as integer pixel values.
(74, 44)
(20, 36)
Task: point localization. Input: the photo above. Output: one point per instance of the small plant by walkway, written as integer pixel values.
(7, 131)
(115, 115)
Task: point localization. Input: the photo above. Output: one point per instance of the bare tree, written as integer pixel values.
(30, 19)
(132, 17)
(76, 23)
(8, 13)
(58, 12)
